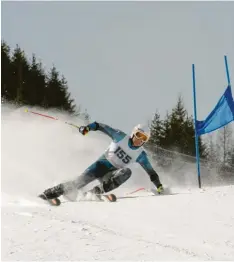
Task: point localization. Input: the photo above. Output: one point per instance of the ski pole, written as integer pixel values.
(139, 189)
(51, 117)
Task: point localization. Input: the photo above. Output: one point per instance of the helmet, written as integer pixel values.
(141, 132)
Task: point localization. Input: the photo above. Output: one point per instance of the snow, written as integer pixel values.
(187, 224)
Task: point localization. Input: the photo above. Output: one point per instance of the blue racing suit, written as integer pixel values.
(102, 166)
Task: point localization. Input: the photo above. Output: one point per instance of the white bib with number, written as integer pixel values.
(120, 154)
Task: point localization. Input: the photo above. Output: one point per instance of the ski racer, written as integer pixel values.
(111, 169)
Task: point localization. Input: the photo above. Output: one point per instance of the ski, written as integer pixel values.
(98, 197)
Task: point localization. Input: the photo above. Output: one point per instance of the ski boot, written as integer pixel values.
(99, 192)
(51, 195)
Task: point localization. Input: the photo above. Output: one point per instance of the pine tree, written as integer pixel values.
(156, 130)
(26, 83)
(189, 146)
(68, 103)
(5, 72)
(178, 132)
(19, 75)
(54, 90)
(36, 82)
(174, 126)
(165, 141)
(188, 141)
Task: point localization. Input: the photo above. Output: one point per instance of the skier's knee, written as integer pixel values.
(127, 172)
(121, 176)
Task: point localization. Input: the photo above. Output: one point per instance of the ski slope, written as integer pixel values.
(187, 224)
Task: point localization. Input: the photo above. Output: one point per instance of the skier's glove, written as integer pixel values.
(84, 130)
(160, 189)
(157, 190)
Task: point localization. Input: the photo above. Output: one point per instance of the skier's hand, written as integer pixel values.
(160, 189)
(157, 190)
(84, 130)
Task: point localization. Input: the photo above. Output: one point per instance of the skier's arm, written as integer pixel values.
(145, 163)
(114, 134)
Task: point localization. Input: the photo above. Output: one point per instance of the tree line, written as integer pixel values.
(26, 82)
(176, 133)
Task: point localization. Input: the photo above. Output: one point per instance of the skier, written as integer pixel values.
(111, 168)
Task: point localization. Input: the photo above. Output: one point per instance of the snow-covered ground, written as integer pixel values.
(188, 224)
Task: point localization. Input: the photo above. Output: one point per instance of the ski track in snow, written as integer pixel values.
(190, 224)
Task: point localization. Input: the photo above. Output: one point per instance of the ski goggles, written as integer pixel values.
(141, 136)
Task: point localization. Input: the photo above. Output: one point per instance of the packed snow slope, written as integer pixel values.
(188, 224)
